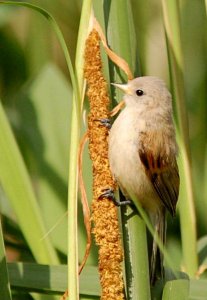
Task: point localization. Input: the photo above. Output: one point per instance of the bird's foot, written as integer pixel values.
(105, 122)
(109, 193)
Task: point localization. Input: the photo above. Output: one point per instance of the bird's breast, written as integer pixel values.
(124, 159)
(123, 137)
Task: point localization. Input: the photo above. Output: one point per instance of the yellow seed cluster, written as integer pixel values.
(104, 212)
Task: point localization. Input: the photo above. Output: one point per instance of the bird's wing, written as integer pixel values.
(163, 173)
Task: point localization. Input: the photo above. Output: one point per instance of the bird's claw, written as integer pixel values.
(109, 193)
(105, 122)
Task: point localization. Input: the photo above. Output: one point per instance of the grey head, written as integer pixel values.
(146, 90)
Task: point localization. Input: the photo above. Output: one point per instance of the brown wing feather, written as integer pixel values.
(164, 177)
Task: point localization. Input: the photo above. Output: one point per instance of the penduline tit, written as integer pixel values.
(142, 155)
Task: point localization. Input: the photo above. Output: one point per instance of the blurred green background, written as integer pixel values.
(36, 93)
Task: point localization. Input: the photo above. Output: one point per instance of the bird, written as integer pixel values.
(143, 155)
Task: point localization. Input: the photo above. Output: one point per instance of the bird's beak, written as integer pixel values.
(124, 87)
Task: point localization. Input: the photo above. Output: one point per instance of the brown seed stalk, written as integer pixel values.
(104, 212)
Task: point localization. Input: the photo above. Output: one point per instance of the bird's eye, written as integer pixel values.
(139, 92)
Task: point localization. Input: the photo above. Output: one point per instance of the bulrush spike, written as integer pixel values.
(104, 211)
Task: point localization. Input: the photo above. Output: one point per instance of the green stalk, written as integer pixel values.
(73, 279)
(73, 286)
(136, 255)
(121, 38)
(186, 205)
(123, 41)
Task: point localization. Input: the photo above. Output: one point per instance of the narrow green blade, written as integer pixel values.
(51, 279)
(171, 16)
(17, 186)
(176, 289)
(4, 280)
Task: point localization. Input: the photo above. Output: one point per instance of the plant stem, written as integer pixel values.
(73, 278)
(186, 205)
(121, 36)
(136, 258)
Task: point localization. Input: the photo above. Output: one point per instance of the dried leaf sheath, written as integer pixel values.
(104, 212)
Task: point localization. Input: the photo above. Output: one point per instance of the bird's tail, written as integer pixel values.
(157, 268)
